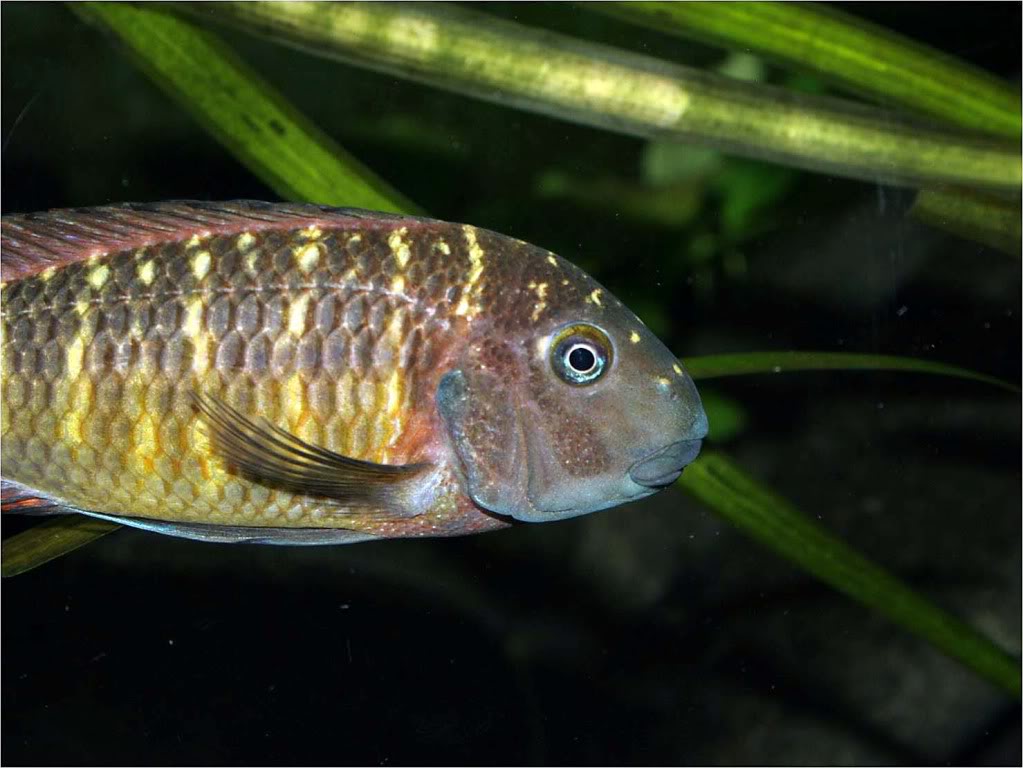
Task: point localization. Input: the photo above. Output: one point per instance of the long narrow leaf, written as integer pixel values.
(244, 113)
(746, 363)
(485, 57)
(995, 222)
(719, 483)
(51, 539)
(861, 56)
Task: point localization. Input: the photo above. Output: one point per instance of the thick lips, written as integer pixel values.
(664, 467)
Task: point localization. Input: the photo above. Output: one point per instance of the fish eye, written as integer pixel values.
(580, 354)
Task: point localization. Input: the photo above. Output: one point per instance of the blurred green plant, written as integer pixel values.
(253, 122)
(874, 62)
(855, 54)
(727, 417)
(174, 50)
(993, 221)
(771, 520)
(715, 366)
(485, 57)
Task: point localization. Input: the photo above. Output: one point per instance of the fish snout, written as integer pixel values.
(664, 466)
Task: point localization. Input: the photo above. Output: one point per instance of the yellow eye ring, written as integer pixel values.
(581, 354)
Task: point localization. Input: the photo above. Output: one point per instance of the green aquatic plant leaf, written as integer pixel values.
(719, 483)
(664, 206)
(993, 221)
(748, 189)
(48, 540)
(727, 417)
(244, 113)
(488, 58)
(744, 364)
(857, 55)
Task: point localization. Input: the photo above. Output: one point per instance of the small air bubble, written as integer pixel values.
(776, 369)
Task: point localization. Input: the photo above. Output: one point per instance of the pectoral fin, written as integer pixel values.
(271, 456)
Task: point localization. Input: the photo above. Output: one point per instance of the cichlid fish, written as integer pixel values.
(305, 375)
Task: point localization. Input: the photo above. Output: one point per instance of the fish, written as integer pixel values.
(299, 374)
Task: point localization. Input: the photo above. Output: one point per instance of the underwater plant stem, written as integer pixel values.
(48, 540)
(858, 55)
(718, 482)
(479, 55)
(993, 221)
(243, 112)
(788, 361)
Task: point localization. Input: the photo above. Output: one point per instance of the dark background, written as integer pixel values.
(647, 634)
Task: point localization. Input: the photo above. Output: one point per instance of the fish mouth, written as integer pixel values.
(664, 466)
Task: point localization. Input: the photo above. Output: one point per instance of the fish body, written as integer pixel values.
(304, 374)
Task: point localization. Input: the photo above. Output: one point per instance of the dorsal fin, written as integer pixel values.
(31, 242)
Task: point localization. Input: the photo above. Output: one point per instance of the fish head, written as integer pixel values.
(569, 407)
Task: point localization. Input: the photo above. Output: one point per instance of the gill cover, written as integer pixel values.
(483, 424)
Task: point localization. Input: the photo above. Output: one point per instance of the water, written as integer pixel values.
(648, 634)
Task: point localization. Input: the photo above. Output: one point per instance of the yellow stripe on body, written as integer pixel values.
(307, 257)
(201, 264)
(193, 330)
(294, 405)
(399, 248)
(466, 307)
(541, 300)
(146, 272)
(297, 312)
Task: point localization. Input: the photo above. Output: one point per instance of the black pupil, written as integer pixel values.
(581, 359)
